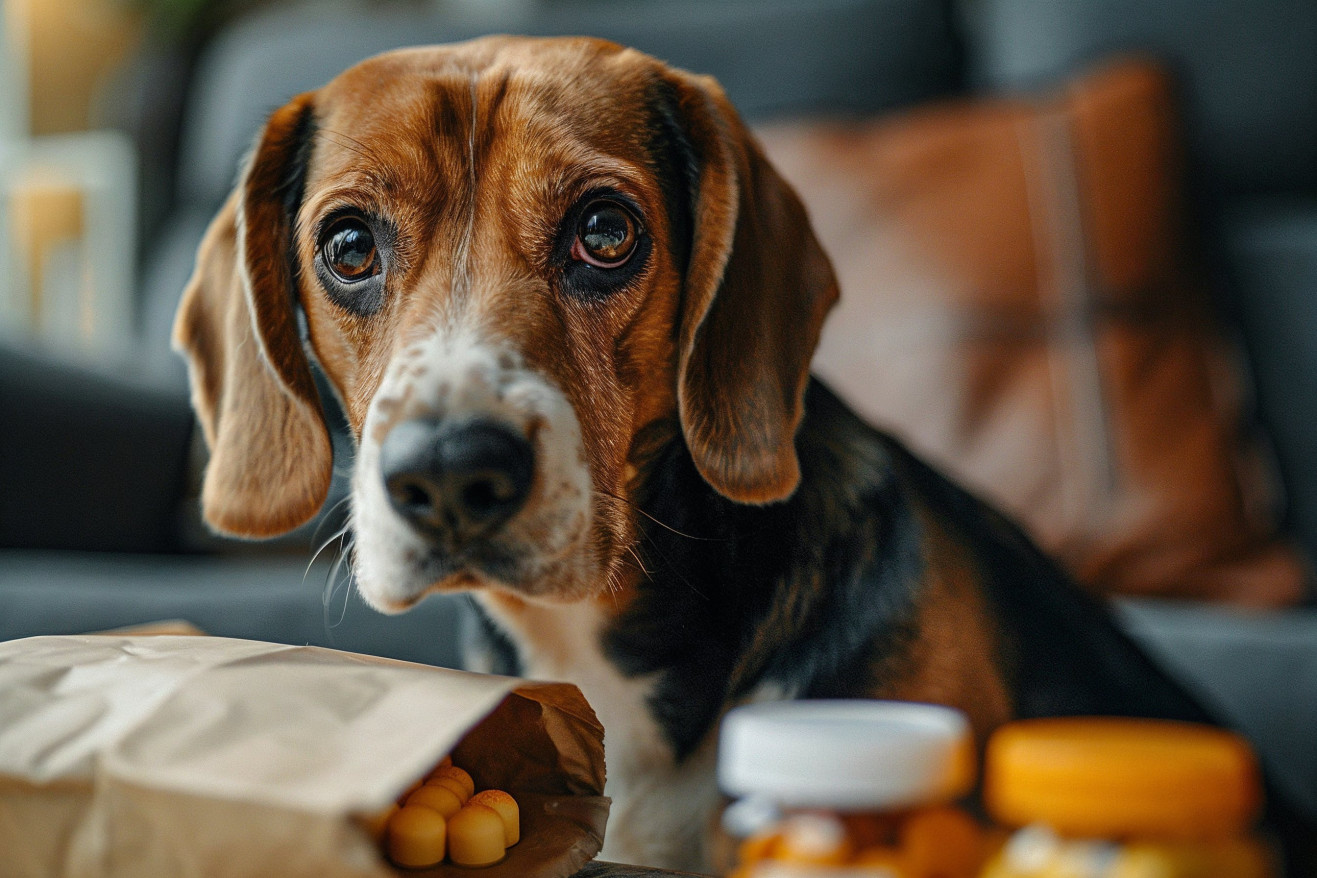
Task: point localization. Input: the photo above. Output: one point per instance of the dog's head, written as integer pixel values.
(518, 262)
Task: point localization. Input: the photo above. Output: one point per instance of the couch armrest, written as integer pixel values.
(1258, 670)
(88, 460)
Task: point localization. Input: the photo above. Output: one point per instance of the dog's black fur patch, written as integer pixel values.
(818, 593)
(676, 163)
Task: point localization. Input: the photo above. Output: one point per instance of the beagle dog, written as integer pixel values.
(568, 309)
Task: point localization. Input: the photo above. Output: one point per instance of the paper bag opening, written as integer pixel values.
(188, 756)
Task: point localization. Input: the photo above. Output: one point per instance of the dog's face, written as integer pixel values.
(523, 264)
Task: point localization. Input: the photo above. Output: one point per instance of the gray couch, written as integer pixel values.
(98, 526)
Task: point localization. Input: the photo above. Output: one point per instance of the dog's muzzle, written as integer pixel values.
(456, 483)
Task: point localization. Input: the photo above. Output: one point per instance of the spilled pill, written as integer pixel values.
(437, 798)
(416, 837)
(475, 836)
(442, 817)
(506, 808)
(457, 774)
(458, 788)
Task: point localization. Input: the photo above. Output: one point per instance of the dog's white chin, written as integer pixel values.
(396, 595)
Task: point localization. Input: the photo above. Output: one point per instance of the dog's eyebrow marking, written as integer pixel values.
(471, 141)
(462, 277)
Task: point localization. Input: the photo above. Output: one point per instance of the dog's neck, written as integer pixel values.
(734, 603)
(735, 599)
(662, 804)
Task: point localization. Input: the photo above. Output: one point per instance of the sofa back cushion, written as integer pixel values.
(772, 56)
(1247, 68)
(1017, 303)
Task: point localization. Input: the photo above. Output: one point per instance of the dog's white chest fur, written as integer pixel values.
(661, 810)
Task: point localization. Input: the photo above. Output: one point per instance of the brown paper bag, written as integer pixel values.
(184, 756)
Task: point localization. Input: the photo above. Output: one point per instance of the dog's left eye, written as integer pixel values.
(606, 235)
(348, 249)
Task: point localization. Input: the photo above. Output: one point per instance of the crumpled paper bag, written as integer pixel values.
(200, 756)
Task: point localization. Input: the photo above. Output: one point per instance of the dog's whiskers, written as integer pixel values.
(343, 561)
(667, 562)
(631, 550)
(344, 538)
(671, 567)
(608, 495)
(337, 535)
(324, 520)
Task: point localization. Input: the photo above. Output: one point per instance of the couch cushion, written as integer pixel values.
(1271, 248)
(283, 598)
(88, 459)
(1248, 70)
(1017, 304)
(772, 56)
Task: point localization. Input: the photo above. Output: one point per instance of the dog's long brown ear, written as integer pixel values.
(758, 286)
(271, 458)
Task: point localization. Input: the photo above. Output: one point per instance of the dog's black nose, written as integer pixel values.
(458, 480)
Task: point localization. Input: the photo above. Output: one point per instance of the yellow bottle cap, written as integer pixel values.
(1121, 778)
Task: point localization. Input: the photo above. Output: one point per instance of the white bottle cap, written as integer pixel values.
(846, 755)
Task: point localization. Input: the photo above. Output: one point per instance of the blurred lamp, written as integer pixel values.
(67, 194)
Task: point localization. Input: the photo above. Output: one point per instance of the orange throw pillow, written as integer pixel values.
(1018, 306)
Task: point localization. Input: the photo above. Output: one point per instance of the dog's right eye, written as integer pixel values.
(602, 246)
(606, 236)
(348, 250)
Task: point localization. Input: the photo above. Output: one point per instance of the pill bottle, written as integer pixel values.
(839, 788)
(1120, 798)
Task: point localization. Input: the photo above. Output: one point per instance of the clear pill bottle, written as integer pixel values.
(849, 788)
(1123, 798)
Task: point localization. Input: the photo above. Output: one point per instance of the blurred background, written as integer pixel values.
(1077, 241)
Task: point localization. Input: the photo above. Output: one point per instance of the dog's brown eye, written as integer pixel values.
(349, 250)
(606, 236)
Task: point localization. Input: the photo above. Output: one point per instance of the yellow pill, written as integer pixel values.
(416, 785)
(440, 799)
(439, 766)
(880, 857)
(942, 841)
(506, 808)
(475, 836)
(452, 783)
(757, 848)
(813, 839)
(461, 776)
(416, 837)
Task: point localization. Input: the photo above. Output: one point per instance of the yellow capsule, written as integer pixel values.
(942, 841)
(885, 859)
(440, 799)
(452, 771)
(452, 783)
(814, 839)
(415, 785)
(506, 808)
(475, 836)
(757, 848)
(416, 837)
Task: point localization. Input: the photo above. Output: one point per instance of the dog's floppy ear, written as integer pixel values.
(758, 286)
(271, 458)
